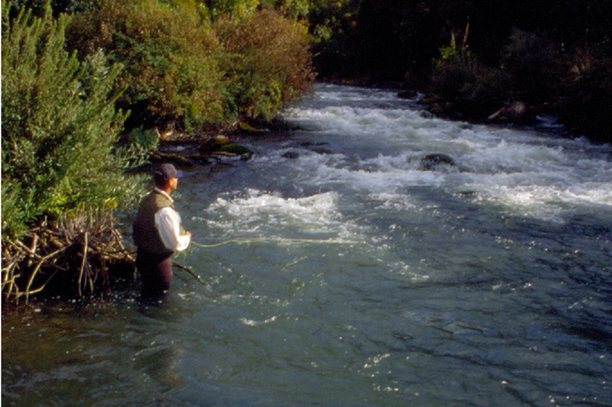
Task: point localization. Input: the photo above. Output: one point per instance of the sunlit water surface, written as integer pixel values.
(351, 276)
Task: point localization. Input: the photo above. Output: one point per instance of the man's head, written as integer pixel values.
(166, 177)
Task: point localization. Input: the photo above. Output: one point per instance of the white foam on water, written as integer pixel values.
(251, 322)
(528, 173)
(398, 202)
(253, 211)
(359, 122)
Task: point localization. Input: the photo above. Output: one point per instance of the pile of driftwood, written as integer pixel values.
(72, 257)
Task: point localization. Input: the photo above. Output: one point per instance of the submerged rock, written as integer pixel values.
(170, 157)
(322, 151)
(431, 161)
(213, 143)
(220, 146)
(291, 155)
(235, 150)
(312, 143)
(407, 94)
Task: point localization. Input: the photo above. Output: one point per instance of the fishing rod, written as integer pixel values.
(175, 264)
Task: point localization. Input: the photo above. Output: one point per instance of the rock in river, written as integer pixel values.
(431, 161)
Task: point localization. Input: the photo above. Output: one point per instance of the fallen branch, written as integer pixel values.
(83, 263)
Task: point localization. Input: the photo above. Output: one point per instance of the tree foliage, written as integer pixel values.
(525, 50)
(266, 63)
(192, 64)
(170, 56)
(476, 90)
(163, 60)
(535, 64)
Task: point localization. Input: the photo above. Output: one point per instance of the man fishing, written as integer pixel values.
(158, 232)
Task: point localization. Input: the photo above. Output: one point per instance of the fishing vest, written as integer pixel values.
(146, 235)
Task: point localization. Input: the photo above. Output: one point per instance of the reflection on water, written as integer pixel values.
(340, 272)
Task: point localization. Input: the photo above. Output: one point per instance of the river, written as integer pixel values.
(340, 270)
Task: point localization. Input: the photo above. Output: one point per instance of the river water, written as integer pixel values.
(340, 271)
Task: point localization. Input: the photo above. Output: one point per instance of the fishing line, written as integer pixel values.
(281, 240)
(259, 240)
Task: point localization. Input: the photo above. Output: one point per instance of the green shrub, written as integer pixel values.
(535, 67)
(59, 126)
(587, 106)
(475, 89)
(182, 71)
(38, 7)
(242, 9)
(453, 72)
(266, 63)
(171, 59)
(234, 8)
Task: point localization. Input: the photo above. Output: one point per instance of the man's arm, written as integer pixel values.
(168, 224)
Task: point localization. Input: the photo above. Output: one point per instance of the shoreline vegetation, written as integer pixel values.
(93, 93)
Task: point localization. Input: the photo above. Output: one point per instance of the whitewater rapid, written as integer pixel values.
(378, 149)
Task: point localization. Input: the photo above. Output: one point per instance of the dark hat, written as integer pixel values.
(166, 172)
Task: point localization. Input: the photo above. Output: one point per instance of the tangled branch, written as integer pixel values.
(68, 257)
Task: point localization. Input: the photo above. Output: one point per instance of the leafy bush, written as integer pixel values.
(171, 58)
(535, 67)
(475, 90)
(59, 126)
(242, 9)
(39, 7)
(454, 70)
(294, 9)
(234, 8)
(266, 62)
(588, 104)
(182, 71)
(145, 141)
